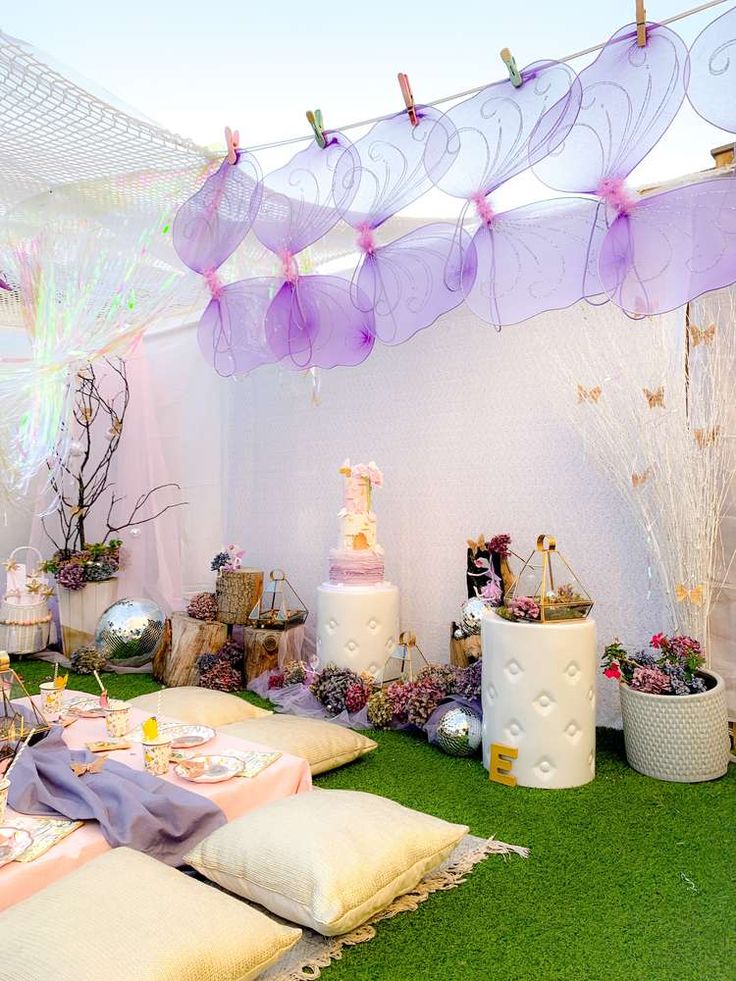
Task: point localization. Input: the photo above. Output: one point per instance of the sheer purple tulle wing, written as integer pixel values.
(535, 258)
(503, 130)
(300, 203)
(630, 95)
(416, 279)
(712, 87)
(386, 168)
(671, 248)
(232, 333)
(314, 323)
(213, 222)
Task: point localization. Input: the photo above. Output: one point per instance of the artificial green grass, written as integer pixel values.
(629, 878)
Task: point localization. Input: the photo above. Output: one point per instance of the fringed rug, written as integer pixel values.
(305, 961)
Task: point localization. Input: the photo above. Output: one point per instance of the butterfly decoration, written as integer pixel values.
(654, 398)
(80, 769)
(701, 335)
(693, 595)
(638, 479)
(404, 283)
(521, 262)
(713, 72)
(589, 394)
(479, 545)
(630, 95)
(706, 437)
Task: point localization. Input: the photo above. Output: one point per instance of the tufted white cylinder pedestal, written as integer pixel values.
(357, 626)
(538, 693)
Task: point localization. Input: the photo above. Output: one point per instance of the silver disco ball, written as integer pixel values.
(459, 731)
(472, 612)
(130, 631)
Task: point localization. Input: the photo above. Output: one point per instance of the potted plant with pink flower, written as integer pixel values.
(674, 710)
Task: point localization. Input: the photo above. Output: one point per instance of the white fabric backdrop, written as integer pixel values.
(471, 432)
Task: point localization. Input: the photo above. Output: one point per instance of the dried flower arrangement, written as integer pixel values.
(79, 476)
(668, 666)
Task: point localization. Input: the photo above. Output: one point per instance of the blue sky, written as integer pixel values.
(193, 66)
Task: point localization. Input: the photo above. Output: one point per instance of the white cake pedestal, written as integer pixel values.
(538, 694)
(357, 626)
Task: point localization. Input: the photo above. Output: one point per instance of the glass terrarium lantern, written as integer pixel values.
(280, 606)
(405, 661)
(14, 725)
(547, 579)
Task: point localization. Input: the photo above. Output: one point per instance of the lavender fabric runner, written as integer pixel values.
(132, 807)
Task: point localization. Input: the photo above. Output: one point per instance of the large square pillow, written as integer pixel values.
(125, 915)
(324, 745)
(329, 859)
(199, 706)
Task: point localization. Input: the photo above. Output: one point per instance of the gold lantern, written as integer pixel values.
(548, 580)
(14, 727)
(279, 605)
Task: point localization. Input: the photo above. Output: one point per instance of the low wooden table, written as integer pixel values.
(288, 775)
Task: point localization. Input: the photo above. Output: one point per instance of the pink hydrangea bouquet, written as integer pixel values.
(668, 666)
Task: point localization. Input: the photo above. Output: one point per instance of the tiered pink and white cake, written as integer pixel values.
(357, 611)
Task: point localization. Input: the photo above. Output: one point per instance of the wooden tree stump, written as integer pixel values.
(463, 650)
(189, 639)
(261, 652)
(237, 593)
(162, 654)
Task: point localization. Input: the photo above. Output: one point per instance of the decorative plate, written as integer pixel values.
(215, 769)
(85, 707)
(182, 736)
(13, 842)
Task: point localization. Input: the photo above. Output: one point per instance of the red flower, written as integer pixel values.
(657, 640)
(613, 671)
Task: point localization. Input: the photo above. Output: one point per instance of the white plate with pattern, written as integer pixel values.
(182, 736)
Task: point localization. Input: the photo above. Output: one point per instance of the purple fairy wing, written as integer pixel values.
(299, 202)
(385, 169)
(539, 257)
(499, 132)
(712, 87)
(671, 248)
(630, 95)
(213, 222)
(411, 282)
(314, 323)
(231, 332)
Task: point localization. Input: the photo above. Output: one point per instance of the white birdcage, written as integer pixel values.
(25, 620)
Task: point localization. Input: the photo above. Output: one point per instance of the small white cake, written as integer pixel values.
(357, 611)
(538, 693)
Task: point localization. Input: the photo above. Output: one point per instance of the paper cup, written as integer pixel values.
(117, 719)
(156, 755)
(4, 788)
(51, 699)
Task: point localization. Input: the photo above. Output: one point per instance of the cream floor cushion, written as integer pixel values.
(328, 860)
(199, 706)
(125, 915)
(324, 745)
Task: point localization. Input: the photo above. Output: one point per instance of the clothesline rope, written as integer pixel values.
(468, 92)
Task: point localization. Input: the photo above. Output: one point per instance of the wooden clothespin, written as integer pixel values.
(315, 121)
(408, 98)
(514, 74)
(233, 144)
(641, 24)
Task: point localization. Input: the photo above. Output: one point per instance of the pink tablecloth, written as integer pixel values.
(288, 775)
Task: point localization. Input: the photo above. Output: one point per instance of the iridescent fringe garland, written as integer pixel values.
(314, 952)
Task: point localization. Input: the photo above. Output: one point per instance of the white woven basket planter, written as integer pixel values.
(682, 738)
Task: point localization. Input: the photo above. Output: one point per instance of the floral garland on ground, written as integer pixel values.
(401, 703)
